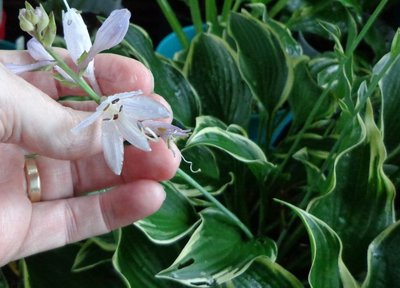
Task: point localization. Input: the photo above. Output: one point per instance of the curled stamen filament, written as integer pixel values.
(190, 165)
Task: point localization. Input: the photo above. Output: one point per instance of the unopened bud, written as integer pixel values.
(50, 31)
(25, 25)
(30, 14)
(43, 18)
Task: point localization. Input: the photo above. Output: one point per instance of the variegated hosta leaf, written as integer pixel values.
(175, 219)
(328, 269)
(216, 252)
(213, 72)
(238, 146)
(359, 202)
(91, 255)
(262, 60)
(264, 273)
(305, 94)
(390, 87)
(383, 259)
(138, 260)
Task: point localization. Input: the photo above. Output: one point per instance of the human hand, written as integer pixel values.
(70, 165)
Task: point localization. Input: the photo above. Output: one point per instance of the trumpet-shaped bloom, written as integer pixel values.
(79, 44)
(121, 115)
(165, 131)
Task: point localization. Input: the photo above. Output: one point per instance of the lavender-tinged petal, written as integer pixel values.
(144, 108)
(164, 130)
(87, 121)
(132, 133)
(18, 69)
(37, 51)
(126, 95)
(110, 34)
(89, 73)
(113, 146)
(76, 34)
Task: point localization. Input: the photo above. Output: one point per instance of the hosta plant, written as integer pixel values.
(292, 164)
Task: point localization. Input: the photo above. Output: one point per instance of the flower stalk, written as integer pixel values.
(213, 200)
(78, 79)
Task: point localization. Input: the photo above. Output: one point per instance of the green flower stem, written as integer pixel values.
(78, 79)
(212, 199)
(277, 8)
(226, 9)
(211, 12)
(173, 22)
(196, 16)
(366, 27)
(237, 4)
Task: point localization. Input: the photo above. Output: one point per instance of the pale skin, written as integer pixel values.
(70, 165)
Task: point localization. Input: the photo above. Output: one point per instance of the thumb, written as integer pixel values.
(37, 123)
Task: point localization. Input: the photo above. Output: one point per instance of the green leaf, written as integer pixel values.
(291, 46)
(328, 269)
(175, 219)
(262, 60)
(169, 81)
(383, 259)
(264, 273)
(238, 146)
(390, 88)
(53, 269)
(214, 74)
(90, 255)
(305, 94)
(359, 202)
(208, 121)
(203, 159)
(216, 252)
(138, 260)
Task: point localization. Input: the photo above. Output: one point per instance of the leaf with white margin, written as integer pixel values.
(216, 252)
(328, 269)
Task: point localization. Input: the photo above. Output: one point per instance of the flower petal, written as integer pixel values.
(76, 34)
(144, 108)
(37, 51)
(18, 69)
(113, 146)
(111, 33)
(131, 133)
(87, 121)
(164, 130)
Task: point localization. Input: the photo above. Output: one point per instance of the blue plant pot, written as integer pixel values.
(170, 44)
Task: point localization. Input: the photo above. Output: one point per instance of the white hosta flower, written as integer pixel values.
(121, 115)
(37, 52)
(165, 131)
(18, 69)
(79, 44)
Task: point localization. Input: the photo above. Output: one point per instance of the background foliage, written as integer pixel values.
(293, 108)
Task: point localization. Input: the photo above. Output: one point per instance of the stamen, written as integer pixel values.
(120, 108)
(105, 108)
(115, 117)
(190, 165)
(152, 136)
(115, 101)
